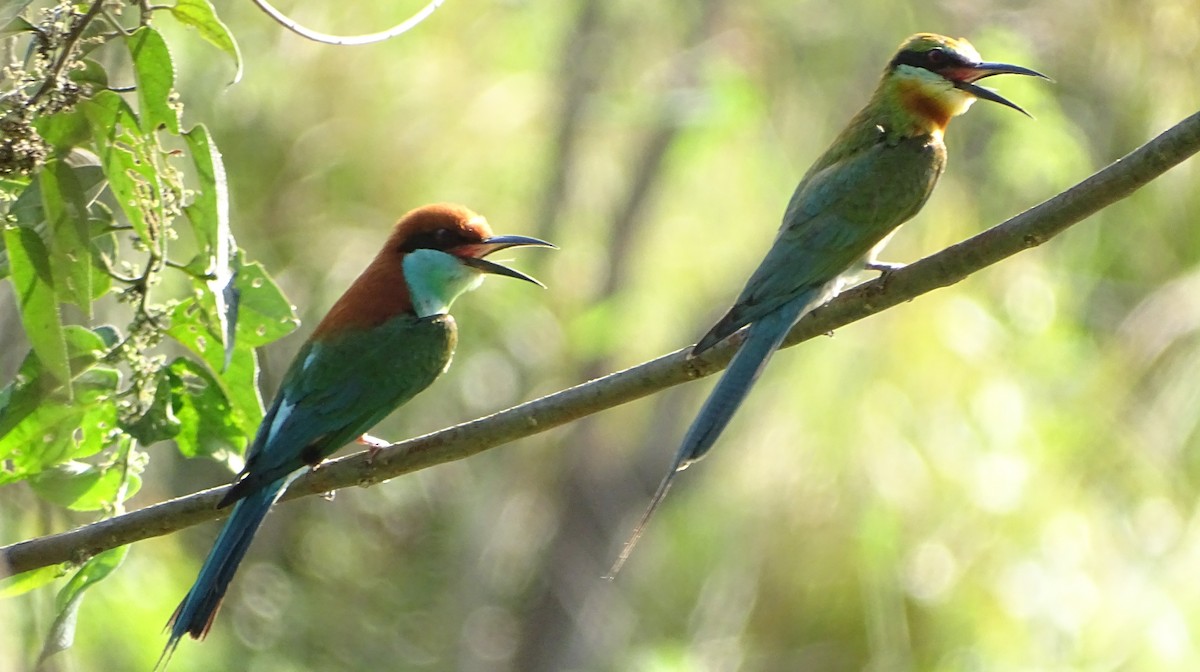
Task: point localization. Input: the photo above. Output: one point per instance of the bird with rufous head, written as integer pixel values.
(386, 339)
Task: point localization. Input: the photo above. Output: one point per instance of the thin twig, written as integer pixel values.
(1028, 229)
(350, 40)
(65, 55)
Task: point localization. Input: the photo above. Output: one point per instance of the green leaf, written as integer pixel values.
(34, 284)
(209, 215)
(91, 73)
(29, 392)
(24, 582)
(16, 27)
(208, 424)
(134, 181)
(264, 313)
(39, 426)
(88, 171)
(27, 209)
(62, 631)
(158, 422)
(200, 15)
(103, 248)
(99, 422)
(64, 203)
(56, 430)
(64, 130)
(93, 571)
(238, 382)
(79, 486)
(264, 316)
(155, 73)
(8, 14)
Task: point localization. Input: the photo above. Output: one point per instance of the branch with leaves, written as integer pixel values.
(105, 195)
(1028, 229)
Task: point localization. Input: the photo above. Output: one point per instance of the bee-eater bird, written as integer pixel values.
(386, 339)
(876, 175)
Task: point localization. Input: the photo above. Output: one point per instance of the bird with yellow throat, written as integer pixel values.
(875, 176)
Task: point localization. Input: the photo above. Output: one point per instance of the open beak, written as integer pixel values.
(473, 255)
(965, 77)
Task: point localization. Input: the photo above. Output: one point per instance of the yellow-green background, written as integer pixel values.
(999, 476)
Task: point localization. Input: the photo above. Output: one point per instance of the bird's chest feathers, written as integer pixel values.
(435, 279)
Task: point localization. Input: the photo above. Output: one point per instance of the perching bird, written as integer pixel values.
(876, 175)
(386, 339)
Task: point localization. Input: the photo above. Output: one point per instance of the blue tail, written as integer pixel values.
(195, 613)
(763, 338)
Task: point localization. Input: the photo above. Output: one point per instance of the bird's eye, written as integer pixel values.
(936, 56)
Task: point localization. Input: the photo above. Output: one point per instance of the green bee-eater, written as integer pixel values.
(876, 175)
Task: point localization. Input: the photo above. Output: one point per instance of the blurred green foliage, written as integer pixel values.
(1000, 475)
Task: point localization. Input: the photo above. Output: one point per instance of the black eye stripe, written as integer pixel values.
(927, 60)
(437, 239)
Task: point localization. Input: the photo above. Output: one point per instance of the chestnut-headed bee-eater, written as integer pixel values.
(386, 339)
(877, 174)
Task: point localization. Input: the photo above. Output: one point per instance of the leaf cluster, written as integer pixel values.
(141, 313)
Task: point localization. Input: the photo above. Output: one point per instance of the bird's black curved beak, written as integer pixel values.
(964, 78)
(473, 255)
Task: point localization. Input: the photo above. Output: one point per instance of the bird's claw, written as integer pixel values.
(883, 267)
(374, 445)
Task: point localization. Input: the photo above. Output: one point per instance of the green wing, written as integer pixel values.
(837, 215)
(338, 388)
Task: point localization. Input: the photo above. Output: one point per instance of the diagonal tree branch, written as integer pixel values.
(1028, 229)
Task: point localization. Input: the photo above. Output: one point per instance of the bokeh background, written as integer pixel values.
(1002, 475)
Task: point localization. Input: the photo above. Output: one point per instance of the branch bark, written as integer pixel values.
(1028, 229)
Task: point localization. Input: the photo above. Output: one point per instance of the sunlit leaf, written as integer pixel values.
(200, 15)
(207, 422)
(65, 206)
(155, 74)
(24, 582)
(40, 426)
(57, 429)
(238, 381)
(83, 487)
(265, 314)
(27, 209)
(64, 130)
(209, 215)
(98, 425)
(33, 282)
(69, 599)
(91, 73)
(94, 570)
(133, 181)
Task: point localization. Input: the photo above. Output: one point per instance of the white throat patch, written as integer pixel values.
(435, 279)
